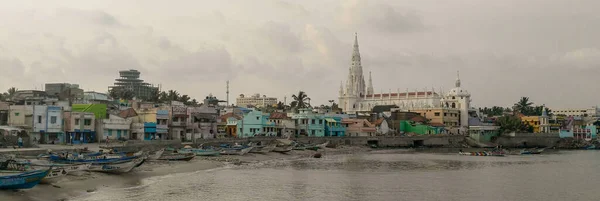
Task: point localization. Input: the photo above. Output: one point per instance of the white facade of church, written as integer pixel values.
(357, 96)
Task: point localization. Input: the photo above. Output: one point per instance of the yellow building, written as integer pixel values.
(533, 121)
(446, 116)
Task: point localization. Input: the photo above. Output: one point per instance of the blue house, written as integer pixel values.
(309, 123)
(334, 127)
(149, 131)
(254, 123)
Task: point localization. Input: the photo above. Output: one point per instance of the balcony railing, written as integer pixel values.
(178, 123)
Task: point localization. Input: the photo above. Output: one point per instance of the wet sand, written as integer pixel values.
(72, 186)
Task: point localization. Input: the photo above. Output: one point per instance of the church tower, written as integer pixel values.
(459, 98)
(355, 84)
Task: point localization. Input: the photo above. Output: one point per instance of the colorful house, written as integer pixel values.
(309, 123)
(334, 127)
(99, 110)
(284, 125)
(253, 123)
(419, 128)
(228, 124)
(150, 131)
(162, 122)
(359, 127)
(533, 121)
(80, 127)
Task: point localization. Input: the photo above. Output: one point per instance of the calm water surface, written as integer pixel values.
(390, 176)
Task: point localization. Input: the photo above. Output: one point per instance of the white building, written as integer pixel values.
(114, 128)
(357, 96)
(255, 100)
(577, 112)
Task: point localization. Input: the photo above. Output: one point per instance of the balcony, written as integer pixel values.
(162, 126)
(178, 123)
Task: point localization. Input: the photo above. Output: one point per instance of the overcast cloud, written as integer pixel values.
(548, 50)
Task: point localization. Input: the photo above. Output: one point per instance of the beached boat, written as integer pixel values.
(262, 149)
(123, 166)
(21, 180)
(236, 150)
(529, 152)
(283, 149)
(322, 146)
(484, 153)
(200, 152)
(177, 157)
(156, 155)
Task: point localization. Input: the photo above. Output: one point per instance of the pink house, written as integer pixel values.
(359, 127)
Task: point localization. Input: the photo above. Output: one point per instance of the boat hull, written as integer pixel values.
(262, 150)
(480, 154)
(156, 155)
(283, 149)
(25, 180)
(117, 168)
(236, 151)
(200, 152)
(178, 157)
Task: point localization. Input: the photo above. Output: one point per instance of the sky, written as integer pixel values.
(548, 50)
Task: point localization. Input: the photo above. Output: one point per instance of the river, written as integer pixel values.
(567, 175)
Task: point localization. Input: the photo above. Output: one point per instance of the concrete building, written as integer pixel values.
(29, 97)
(92, 97)
(114, 128)
(80, 127)
(334, 126)
(445, 116)
(359, 127)
(202, 122)
(253, 124)
(227, 125)
(255, 100)
(577, 112)
(285, 126)
(130, 80)
(64, 91)
(162, 123)
(4, 112)
(309, 123)
(54, 131)
(178, 122)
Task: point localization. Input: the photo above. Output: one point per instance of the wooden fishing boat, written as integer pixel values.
(22, 180)
(177, 157)
(118, 167)
(262, 149)
(200, 152)
(156, 154)
(283, 149)
(484, 153)
(322, 146)
(239, 150)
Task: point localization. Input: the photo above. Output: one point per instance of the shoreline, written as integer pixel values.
(72, 186)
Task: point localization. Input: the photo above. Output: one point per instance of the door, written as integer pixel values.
(118, 134)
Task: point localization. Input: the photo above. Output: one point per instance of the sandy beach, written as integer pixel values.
(89, 182)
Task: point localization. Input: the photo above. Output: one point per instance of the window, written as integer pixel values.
(16, 114)
(257, 118)
(53, 119)
(87, 122)
(453, 105)
(312, 121)
(39, 119)
(453, 97)
(445, 114)
(76, 121)
(109, 132)
(313, 132)
(437, 114)
(320, 121)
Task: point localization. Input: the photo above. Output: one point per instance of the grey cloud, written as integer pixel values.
(292, 7)
(279, 35)
(382, 17)
(203, 64)
(97, 17)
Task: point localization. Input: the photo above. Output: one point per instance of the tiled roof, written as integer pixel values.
(418, 119)
(130, 112)
(227, 115)
(378, 121)
(278, 115)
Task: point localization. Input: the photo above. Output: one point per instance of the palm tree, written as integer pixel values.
(163, 97)
(194, 102)
(280, 105)
(126, 94)
(114, 93)
(154, 96)
(185, 99)
(523, 106)
(173, 95)
(300, 100)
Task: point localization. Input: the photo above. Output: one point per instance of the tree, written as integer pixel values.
(163, 97)
(280, 106)
(185, 99)
(524, 106)
(511, 123)
(154, 96)
(173, 95)
(11, 91)
(194, 102)
(126, 94)
(300, 101)
(114, 93)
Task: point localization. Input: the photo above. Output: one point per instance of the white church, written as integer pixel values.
(358, 97)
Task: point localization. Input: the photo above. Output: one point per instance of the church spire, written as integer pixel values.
(356, 52)
(457, 84)
(370, 87)
(341, 88)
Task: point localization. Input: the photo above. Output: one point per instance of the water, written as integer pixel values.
(391, 176)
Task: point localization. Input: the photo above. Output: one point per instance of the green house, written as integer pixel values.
(99, 110)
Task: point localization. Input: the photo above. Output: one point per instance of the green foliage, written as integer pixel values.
(510, 123)
(300, 101)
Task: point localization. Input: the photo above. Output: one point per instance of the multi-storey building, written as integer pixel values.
(255, 100)
(130, 80)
